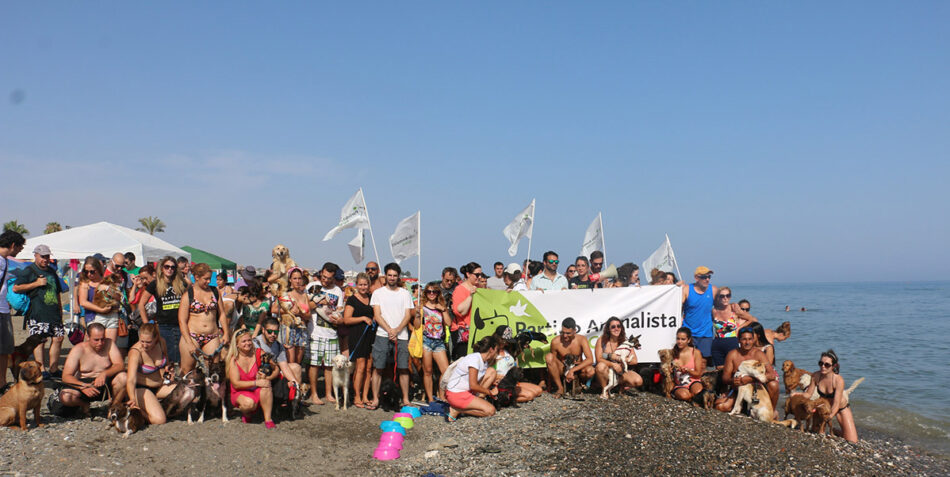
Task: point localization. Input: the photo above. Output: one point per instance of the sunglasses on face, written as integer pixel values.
(704, 277)
(616, 327)
(824, 364)
(596, 264)
(432, 292)
(725, 295)
(270, 332)
(170, 267)
(554, 262)
(90, 272)
(371, 269)
(744, 309)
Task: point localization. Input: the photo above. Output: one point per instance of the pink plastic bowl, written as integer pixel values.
(392, 436)
(385, 453)
(401, 414)
(387, 444)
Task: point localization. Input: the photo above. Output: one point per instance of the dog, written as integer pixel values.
(24, 352)
(760, 408)
(666, 369)
(341, 378)
(281, 263)
(793, 377)
(123, 418)
(185, 395)
(709, 380)
(821, 416)
(802, 408)
(109, 292)
(26, 394)
(846, 398)
(215, 389)
(623, 352)
(508, 390)
(390, 400)
(570, 361)
(267, 364)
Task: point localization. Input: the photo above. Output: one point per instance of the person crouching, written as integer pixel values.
(250, 388)
(471, 374)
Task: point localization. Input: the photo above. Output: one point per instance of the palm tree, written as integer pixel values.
(52, 227)
(16, 227)
(151, 225)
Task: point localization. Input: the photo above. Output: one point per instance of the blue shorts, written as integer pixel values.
(432, 344)
(704, 345)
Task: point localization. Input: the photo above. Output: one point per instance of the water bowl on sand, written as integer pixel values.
(391, 436)
(405, 422)
(402, 414)
(391, 444)
(392, 426)
(385, 453)
(413, 411)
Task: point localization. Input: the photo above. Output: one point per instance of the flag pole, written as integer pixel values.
(419, 247)
(603, 235)
(675, 262)
(533, 210)
(370, 224)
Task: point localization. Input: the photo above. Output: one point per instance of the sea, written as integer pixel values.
(895, 335)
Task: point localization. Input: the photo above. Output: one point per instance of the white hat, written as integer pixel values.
(512, 268)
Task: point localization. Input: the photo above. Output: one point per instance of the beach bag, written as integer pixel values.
(122, 329)
(415, 343)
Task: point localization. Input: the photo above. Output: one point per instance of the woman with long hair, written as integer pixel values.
(462, 307)
(608, 362)
(688, 366)
(296, 303)
(830, 387)
(433, 316)
(203, 325)
(358, 315)
(762, 342)
(145, 385)
(168, 287)
(250, 388)
(254, 308)
(89, 281)
(727, 318)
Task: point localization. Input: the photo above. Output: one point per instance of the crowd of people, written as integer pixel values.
(170, 313)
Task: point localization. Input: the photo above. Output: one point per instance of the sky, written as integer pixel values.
(773, 142)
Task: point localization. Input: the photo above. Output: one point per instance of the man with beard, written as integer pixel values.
(375, 281)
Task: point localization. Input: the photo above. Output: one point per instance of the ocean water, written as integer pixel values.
(895, 335)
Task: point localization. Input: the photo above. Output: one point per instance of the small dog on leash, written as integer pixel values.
(570, 361)
(508, 390)
(390, 400)
(341, 378)
(623, 352)
(794, 378)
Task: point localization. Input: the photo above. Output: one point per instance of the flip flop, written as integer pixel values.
(370, 407)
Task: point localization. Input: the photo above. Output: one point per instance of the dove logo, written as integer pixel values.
(518, 309)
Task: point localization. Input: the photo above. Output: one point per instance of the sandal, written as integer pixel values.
(371, 407)
(449, 418)
(359, 405)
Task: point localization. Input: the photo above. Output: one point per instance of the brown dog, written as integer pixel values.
(124, 418)
(821, 418)
(281, 263)
(802, 408)
(666, 368)
(24, 352)
(794, 378)
(26, 394)
(109, 292)
(709, 387)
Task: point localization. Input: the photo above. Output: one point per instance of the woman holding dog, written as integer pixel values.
(470, 375)
(830, 387)
(168, 287)
(148, 359)
(358, 315)
(202, 323)
(89, 282)
(688, 366)
(608, 362)
(296, 303)
(727, 318)
(250, 388)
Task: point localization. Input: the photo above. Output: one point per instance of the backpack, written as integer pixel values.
(19, 303)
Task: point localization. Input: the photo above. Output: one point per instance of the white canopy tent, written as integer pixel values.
(104, 238)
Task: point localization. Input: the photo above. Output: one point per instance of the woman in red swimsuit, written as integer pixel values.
(250, 388)
(688, 366)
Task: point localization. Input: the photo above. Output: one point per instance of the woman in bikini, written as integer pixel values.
(688, 366)
(830, 387)
(295, 303)
(89, 281)
(434, 318)
(727, 318)
(358, 315)
(762, 342)
(254, 309)
(607, 362)
(250, 388)
(200, 320)
(227, 295)
(145, 385)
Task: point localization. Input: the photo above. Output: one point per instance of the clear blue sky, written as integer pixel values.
(773, 142)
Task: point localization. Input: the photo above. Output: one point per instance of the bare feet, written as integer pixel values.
(316, 401)
(330, 399)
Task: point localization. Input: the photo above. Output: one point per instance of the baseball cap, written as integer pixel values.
(703, 271)
(512, 268)
(339, 275)
(42, 250)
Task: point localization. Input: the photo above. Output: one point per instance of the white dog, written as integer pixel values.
(623, 353)
(341, 378)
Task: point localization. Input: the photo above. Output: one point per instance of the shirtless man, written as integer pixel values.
(90, 365)
(746, 351)
(375, 279)
(569, 344)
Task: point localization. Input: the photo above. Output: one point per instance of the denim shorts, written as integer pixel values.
(433, 345)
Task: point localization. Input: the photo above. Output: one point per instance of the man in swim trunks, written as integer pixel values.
(746, 351)
(90, 367)
(569, 343)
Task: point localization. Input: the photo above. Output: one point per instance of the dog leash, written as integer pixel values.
(373, 326)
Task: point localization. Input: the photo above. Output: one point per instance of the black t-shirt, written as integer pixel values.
(577, 283)
(44, 301)
(166, 306)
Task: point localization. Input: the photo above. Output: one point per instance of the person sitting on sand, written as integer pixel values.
(569, 344)
(506, 360)
(250, 388)
(830, 387)
(762, 343)
(145, 385)
(747, 350)
(268, 342)
(614, 335)
(472, 373)
(688, 366)
(90, 367)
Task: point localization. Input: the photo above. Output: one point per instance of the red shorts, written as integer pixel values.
(459, 400)
(254, 395)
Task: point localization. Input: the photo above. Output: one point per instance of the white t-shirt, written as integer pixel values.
(4, 306)
(318, 327)
(496, 283)
(519, 286)
(458, 381)
(392, 306)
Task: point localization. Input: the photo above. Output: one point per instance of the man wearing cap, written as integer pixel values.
(514, 279)
(11, 244)
(497, 282)
(698, 300)
(45, 316)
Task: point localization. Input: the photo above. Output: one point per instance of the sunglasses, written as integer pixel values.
(90, 272)
(432, 292)
(704, 277)
(616, 327)
(725, 295)
(270, 332)
(170, 267)
(554, 262)
(372, 269)
(744, 309)
(824, 364)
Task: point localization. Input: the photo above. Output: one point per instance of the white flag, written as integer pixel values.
(353, 215)
(663, 259)
(356, 246)
(404, 242)
(519, 228)
(594, 238)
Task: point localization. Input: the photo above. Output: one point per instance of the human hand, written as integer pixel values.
(393, 335)
(41, 281)
(90, 391)
(100, 380)
(569, 376)
(263, 383)
(493, 391)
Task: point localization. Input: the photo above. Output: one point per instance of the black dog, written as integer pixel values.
(390, 399)
(508, 390)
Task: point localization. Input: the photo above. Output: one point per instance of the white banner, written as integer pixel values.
(520, 227)
(357, 245)
(352, 215)
(594, 237)
(404, 242)
(651, 312)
